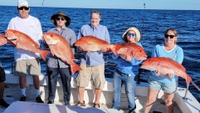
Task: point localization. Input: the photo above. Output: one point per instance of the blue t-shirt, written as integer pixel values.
(94, 58)
(175, 54)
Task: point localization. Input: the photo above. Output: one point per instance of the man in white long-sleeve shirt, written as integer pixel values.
(25, 60)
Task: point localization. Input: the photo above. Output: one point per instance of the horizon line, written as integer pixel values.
(104, 8)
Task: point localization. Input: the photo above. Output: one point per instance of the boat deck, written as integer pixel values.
(33, 107)
(12, 95)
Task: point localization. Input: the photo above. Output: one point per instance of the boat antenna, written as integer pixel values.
(141, 70)
(143, 18)
(41, 9)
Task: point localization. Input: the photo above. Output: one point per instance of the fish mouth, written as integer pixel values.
(142, 67)
(12, 39)
(144, 58)
(141, 58)
(9, 35)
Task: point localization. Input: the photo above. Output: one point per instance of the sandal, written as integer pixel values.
(96, 105)
(81, 104)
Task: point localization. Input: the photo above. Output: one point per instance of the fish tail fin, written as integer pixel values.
(44, 53)
(115, 47)
(74, 68)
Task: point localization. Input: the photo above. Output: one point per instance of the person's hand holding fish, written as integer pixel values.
(169, 75)
(84, 47)
(104, 49)
(124, 56)
(121, 50)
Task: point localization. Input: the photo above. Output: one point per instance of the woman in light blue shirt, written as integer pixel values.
(168, 83)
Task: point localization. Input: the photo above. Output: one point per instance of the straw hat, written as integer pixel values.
(60, 13)
(137, 32)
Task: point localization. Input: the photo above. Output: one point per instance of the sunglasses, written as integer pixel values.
(25, 8)
(131, 34)
(60, 19)
(170, 36)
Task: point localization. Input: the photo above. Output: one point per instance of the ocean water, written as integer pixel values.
(151, 23)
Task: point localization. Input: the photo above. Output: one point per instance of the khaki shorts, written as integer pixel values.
(97, 74)
(32, 66)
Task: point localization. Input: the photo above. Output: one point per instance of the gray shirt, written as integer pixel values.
(70, 36)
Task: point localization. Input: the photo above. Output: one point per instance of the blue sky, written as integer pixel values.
(130, 4)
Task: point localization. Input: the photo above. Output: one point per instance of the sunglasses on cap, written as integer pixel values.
(60, 19)
(25, 8)
(131, 34)
(170, 36)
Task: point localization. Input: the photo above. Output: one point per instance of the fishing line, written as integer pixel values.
(195, 85)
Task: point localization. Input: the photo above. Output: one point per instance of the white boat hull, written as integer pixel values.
(182, 106)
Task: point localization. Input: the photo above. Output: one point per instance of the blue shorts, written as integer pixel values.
(156, 85)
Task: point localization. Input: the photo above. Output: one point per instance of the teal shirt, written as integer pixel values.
(175, 54)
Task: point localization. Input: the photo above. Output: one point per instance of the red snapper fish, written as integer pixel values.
(92, 43)
(132, 50)
(164, 66)
(61, 48)
(3, 40)
(23, 41)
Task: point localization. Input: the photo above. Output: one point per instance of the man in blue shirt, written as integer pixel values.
(92, 63)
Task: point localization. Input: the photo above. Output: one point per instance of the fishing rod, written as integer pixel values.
(195, 85)
(188, 89)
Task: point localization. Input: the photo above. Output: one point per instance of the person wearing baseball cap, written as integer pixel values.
(22, 3)
(27, 61)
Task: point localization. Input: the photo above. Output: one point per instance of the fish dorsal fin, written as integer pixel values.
(179, 66)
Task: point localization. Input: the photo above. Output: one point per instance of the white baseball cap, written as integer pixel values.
(22, 3)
